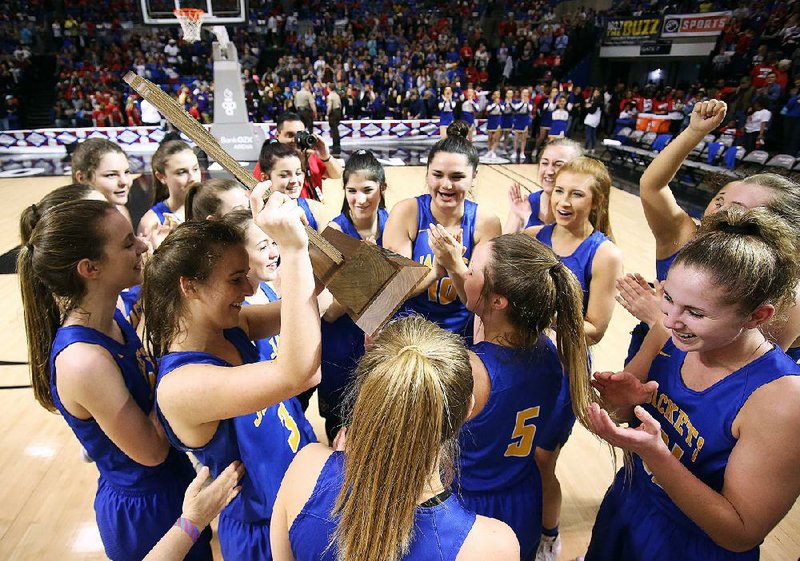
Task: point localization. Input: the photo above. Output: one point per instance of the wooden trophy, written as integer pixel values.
(369, 281)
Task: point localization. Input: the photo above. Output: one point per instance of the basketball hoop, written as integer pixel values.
(191, 22)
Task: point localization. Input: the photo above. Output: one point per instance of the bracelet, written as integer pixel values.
(326, 160)
(189, 527)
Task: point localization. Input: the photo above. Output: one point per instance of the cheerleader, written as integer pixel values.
(494, 114)
(468, 110)
(522, 121)
(507, 118)
(447, 106)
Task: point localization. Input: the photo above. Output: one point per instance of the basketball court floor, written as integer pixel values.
(47, 491)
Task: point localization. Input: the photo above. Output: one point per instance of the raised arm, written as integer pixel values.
(519, 210)
(90, 385)
(670, 224)
(200, 394)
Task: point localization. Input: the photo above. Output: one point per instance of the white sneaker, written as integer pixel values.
(549, 548)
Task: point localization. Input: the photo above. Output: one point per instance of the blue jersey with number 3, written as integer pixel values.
(265, 441)
(440, 302)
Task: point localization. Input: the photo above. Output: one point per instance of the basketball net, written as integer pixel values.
(191, 21)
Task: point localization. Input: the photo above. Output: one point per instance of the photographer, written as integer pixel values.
(318, 162)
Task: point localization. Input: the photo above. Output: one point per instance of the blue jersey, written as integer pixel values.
(135, 504)
(663, 265)
(498, 474)
(303, 203)
(535, 200)
(580, 262)
(268, 347)
(342, 342)
(638, 520)
(132, 302)
(161, 208)
(440, 302)
(280, 429)
(439, 531)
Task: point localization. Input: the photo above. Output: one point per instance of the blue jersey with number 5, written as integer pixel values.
(498, 473)
(440, 302)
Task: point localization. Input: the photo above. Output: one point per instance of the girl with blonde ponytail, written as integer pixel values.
(387, 495)
(518, 371)
(581, 237)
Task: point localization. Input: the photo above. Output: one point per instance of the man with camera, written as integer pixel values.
(318, 161)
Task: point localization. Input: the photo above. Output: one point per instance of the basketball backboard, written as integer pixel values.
(216, 11)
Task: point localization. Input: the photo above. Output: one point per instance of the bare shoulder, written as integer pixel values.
(303, 472)
(83, 363)
(608, 253)
(147, 222)
(487, 224)
(405, 208)
(778, 400)
(489, 539)
(334, 225)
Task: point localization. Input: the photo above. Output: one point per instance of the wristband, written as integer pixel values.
(328, 159)
(189, 527)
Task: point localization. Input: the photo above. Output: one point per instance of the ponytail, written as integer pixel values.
(411, 396)
(571, 340)
(49, 279)
(42, 319)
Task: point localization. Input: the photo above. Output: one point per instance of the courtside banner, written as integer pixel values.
(695, 25)
(631, 31)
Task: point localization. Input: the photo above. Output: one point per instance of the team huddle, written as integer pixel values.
(189, 350)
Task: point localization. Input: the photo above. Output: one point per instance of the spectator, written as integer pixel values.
(756, 125)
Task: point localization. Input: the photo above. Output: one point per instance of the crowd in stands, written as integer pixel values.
(392, 60)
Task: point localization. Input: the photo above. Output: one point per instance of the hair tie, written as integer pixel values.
(29, 246)
(739, 229)
(412, 348)
(362, 152)
(35, 211)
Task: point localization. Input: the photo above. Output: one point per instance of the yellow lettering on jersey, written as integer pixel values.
(291, 426)
(259, 417)
(524, 432)
(672, 408)
(273, 342)
(700, 442)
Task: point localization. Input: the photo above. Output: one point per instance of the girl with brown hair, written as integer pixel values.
(102, 164)
(714, 437)
(214, 397)
(88, 364)
(518, 371)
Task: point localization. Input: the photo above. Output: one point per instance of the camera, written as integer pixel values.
(305, 140)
